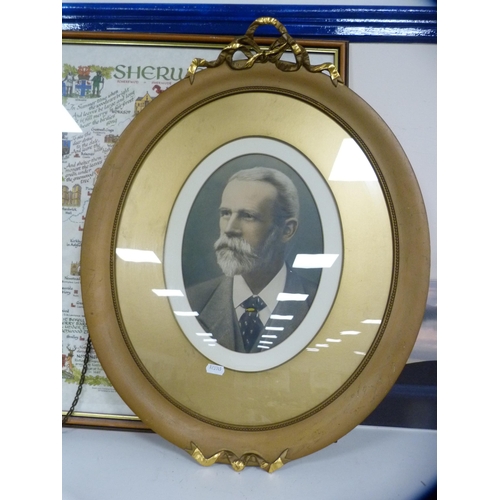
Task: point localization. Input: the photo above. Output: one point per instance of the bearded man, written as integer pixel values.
(260, 300)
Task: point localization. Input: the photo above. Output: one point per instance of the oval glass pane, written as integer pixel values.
(335, 333)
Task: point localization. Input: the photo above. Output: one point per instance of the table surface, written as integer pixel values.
(369, 463)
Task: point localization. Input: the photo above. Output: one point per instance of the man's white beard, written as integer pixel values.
(236, 256)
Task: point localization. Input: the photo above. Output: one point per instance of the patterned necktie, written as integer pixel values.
(250, 323)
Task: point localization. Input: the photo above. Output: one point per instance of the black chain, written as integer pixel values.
(80, 384)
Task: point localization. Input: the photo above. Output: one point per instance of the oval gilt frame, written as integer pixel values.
(165, 382)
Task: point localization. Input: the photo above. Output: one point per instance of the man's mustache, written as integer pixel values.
(235, 244)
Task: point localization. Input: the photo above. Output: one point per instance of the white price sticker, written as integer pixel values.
(215, 369)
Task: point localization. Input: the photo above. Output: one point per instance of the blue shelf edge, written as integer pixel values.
(315, 22)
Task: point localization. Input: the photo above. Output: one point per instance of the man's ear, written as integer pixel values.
(289, 229)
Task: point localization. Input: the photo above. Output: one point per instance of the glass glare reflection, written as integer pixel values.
(133, 255)
(279, 316)
(186, 313)
(164, 292)
(314, 261)
(350, 332)
(351, 164)
(68, 123)
(334, 340)
(275, 328)
(372, 321)
(292, 296)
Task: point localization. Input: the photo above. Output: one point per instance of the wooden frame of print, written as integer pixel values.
(338, 49)
(136, 47)
(328, 383)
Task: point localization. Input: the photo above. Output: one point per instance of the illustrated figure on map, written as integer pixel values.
(68, 84)
(97, 84)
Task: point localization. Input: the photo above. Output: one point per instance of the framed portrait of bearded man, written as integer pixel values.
(255, 261)
(254, 254)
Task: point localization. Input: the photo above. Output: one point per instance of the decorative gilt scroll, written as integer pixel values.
(237, 463)
(255, 54)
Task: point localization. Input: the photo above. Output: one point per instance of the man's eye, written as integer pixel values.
(247, 216)
(224, 213)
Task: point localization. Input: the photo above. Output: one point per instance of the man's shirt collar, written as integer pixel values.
(269, 294)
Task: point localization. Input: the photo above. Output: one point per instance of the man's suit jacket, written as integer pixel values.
(213, 300)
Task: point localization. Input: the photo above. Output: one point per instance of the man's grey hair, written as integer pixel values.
(287, 205)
